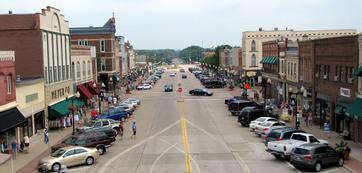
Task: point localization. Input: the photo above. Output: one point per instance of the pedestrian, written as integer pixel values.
(2, 145)
(114, 101)
(110, 99)
(14, 147)
(134, 130)
(26, 143)
(121, 129)
(327, 129)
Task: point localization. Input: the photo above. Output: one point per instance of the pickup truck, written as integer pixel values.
(234, 98)
(100, 124)
(283, 149)
(114, 114)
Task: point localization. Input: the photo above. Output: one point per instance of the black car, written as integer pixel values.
(245, 117)
(214, 84)
(236, 106)
(200, 92)
(168, 88)
(184, 76)
(234, 98)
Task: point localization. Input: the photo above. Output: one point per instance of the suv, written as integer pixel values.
(281, 134)
(101, 124)
(214, 84)
(236, 106)
(250, 115)
(92, 139)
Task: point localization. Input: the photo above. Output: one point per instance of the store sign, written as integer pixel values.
(345, 92)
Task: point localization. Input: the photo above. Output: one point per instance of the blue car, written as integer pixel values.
(114, 114)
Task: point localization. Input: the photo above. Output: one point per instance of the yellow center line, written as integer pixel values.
(186, 145)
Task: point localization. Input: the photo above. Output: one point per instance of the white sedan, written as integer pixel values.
(134, 100)
(260, 120)
(266, 126)
(144, 87)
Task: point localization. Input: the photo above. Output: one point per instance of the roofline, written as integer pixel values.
(302, 30)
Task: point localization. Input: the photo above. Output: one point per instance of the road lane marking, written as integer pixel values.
(290, 165)
(159, 157)
(182, 151)
(241, 162)
(114, 158)
(185, 142)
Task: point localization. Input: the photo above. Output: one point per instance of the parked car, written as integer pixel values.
(200, 92)
(144, 87)
(184, 76)
(283, 149)
(214, 84)
(315, 156)
(126, 107)
(122, 108)
(259, 121)
(234, 98)
(261, 129)
(93, 139)
(129, 103)
(279, 134)
(137, 101)
(235, 106)
(114, 114)
(109, 131)
(68, 156)
(249, 115)
(172, 74)
(168, 88)
(182, 70)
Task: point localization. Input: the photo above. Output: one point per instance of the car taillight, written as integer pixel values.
(308, 157)
(279, 139)
(266, 129)
(285, 148)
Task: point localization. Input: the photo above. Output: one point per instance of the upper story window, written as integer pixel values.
(84, 69)
(83, 42)
(78, 70)
(253, 46)
(253, 60)
(89, 68)
(102, 45)
(8, 84)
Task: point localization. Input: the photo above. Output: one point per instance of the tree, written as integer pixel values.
(192, 52)
(215, 59)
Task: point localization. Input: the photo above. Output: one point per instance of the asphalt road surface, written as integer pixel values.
(198, 134)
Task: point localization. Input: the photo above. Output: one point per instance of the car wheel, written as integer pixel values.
(101, 150)
(244, 124)
(89, 161)
(340, 161)
(56, 167)
(318, 167)
(205, 94)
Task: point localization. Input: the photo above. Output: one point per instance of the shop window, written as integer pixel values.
(253, 60)
(84, 69)
(89, 68)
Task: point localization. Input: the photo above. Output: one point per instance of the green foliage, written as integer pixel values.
(193, 52)
(215, 59)
(157, 55)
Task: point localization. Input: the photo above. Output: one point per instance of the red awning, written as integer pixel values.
(84, 92)
(93, 90)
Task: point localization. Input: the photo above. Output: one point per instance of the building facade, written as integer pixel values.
(252, 44)
(41, 42)
(10, 117)
(104, 39)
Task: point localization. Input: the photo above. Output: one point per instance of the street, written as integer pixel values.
(202, 125)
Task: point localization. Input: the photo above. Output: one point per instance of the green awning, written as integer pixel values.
(269, 60)
(358, 72)
(264, 60)
(61, 109)
(338, 109)
(273, 60)
(354, 110)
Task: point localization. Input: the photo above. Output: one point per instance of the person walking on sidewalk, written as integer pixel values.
(14, 147)
(327, 130)
(2, 145)
(134, 130)
(26, 143)
(121, 129)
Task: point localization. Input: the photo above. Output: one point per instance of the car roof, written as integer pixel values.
(310, 146)
(285, 129)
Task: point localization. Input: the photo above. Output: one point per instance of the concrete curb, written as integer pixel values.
(349, 169)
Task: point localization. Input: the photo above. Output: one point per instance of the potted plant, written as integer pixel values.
(343, 148)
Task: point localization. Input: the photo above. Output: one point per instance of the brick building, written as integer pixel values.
(41, 43)
(105, 41)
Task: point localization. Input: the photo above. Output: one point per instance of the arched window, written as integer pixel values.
(253, 60)
(253, 46)
(84, 70)
(78, 70)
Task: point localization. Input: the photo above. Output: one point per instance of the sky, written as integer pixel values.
(176, 24)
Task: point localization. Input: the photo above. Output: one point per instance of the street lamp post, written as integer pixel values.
(294, 103)
(73, 108)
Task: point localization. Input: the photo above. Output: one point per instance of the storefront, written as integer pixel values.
(323, 109)
(9, 121)
(60, 115)
(85, 94)
(354, 113)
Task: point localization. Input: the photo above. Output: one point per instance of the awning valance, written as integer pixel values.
(354, 109)
(61, 109)
(269, 60)
(84, 92)
(358, 72)
(92, 89)
(10, 118)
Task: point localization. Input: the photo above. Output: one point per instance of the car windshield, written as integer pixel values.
(70, 141)
(205, 90)
(58, 153)
(301, 151)
(260, 120)
(274, 134)
(266, 124)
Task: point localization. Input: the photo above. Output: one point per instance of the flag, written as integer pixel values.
(46, 136)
